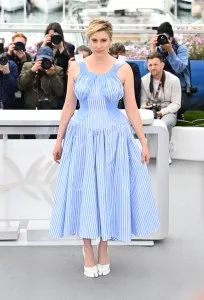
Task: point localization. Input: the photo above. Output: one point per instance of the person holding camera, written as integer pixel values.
(8, 79)
(17, 50)
(17, 53)
(176, 60)
(42, 81)
(63, 51)
(161, 92)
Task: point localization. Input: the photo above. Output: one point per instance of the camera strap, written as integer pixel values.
(157, 91)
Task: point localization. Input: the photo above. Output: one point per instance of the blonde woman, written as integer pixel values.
(103, 189)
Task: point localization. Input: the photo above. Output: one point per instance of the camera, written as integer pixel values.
(46, 63)
(56, 38)
(19, 46)
(162, 39)
(3, 57)
(44, 102)
(190, 90)
(155, 108)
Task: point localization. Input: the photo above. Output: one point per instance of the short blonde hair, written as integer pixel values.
(99, 25)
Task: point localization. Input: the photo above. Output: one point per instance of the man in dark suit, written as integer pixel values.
(118, 50)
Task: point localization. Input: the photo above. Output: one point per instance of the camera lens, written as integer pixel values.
(19, 46)
(3, 60)
(46, 63)
(56, 38)
(162, 39)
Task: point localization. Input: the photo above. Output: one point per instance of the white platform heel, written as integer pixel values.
(103, 269)
(91, 272)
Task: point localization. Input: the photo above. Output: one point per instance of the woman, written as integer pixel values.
(103, 188)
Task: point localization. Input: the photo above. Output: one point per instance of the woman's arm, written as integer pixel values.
(70, 102)
(126, 76)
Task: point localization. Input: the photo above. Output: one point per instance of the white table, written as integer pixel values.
(46, 122)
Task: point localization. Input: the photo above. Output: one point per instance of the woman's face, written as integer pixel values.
(100, 43)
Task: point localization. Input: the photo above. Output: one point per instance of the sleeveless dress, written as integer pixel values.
(103, 189)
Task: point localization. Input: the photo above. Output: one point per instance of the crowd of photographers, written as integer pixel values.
(41, 84)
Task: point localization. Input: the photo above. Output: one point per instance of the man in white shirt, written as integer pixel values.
(161, 91)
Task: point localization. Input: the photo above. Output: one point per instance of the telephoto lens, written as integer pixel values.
(56, 38)
(46, 63)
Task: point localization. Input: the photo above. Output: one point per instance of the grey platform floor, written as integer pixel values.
(171, 270)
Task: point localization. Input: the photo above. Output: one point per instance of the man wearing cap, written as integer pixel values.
(42, 81)
(175, 57)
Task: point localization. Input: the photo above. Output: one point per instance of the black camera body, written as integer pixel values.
(162, 39)
(44, 103)
(19, 46)
(46, 63)
(190, 90)
(155, 108)
(56, 38)
(3, 57)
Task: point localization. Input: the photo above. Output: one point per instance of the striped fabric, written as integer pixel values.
(103, 189)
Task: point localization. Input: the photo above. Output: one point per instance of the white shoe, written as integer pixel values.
(91, 272)
(170, 160)
(103, 269)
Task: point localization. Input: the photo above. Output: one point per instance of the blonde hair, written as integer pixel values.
(99, 25)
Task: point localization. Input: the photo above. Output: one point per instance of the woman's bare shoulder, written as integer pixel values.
(124, 71)
(74, 69)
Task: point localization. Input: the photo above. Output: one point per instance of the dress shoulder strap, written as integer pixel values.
(118, 64)
(80, 61)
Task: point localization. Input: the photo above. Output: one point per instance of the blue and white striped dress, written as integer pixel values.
(103, 189)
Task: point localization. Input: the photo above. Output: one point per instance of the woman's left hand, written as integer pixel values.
(145, 154)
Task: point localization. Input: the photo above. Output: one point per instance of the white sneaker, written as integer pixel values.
(170, 160)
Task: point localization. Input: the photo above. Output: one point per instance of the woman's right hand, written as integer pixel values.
(57, 152)
(47, 39)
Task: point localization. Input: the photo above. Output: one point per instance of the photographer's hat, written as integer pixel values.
(45, 52)
(165, 28)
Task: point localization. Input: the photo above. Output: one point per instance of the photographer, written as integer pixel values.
(42, 81)
(17, 53)
(8, 79)
(17, 50)
(161, 92)
(63, 51)
(176, 59)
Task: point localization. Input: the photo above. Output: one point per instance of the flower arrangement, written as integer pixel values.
(195, 44)
(32, 50)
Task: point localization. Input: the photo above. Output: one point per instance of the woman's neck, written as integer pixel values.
(100, 59)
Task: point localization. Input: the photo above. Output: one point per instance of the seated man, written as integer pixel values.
(42, 81)
(161, 92)
(118, 50)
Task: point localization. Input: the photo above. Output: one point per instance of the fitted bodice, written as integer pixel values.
(98, 95)
(98, 91)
